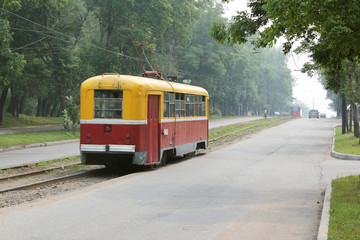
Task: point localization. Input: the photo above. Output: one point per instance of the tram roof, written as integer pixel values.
(128, 82)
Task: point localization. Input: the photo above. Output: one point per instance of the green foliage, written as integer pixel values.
(11, 64)
(328, 29)
(71, 115)
(66, 41)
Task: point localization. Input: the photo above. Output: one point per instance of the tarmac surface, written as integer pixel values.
(322, 233)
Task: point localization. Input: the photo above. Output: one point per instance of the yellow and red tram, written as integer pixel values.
(138, 120)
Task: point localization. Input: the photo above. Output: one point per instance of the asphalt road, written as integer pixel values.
(21, 157)
(268, 186)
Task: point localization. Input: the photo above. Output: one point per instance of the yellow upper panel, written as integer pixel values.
(135, 92)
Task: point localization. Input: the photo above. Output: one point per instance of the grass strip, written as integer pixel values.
(346, 143)
(237, 128)
(345, 209)
(42, 164)
(37, 137)
(10, 121)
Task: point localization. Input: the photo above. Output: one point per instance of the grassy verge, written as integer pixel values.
(238, 127)
(345, 209)
(36, 137)
(10, 121)
(346, 143)
(41, 164)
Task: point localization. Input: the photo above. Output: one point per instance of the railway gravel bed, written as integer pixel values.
(16, 197)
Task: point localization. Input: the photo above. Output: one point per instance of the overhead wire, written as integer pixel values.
(92, 45)
(39, 40)
(60, 33)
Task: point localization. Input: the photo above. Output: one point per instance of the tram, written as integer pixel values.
(295, 111)
(138, 120)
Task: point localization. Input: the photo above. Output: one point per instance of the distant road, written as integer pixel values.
(34, 155)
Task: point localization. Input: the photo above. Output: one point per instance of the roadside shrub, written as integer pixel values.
(71, 115)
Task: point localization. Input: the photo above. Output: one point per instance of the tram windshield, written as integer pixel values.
(108, 104)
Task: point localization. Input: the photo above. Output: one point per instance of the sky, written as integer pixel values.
(306, 89)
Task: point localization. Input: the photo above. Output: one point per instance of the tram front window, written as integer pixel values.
(108, 104)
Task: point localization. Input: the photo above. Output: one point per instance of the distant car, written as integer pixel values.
(284, 114)
(313, 113)
(322, 115)
(276, 113)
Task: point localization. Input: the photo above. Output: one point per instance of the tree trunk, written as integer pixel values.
(62, 97)
(343, 113)
(53, 110)
(355, 69)
(356, 122)
(4, 93)
(353, 109)
(12, 106)
(39, 108)
(350, 119)
(22, 103)
(48, 109)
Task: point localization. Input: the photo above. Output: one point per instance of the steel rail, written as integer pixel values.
(49, 181)
(243, 129)
(20, 175)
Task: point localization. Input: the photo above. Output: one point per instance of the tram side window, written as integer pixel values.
(187, 105)
(180, 105)
(196, 106)
(108, 104)
(166, 104)
(203, 106)
(169, 104)
(172, 104)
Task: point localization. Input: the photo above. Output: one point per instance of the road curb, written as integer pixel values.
(342, 155)
(325, 215)
(34, 145)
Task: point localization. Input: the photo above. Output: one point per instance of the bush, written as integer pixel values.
(71, 115)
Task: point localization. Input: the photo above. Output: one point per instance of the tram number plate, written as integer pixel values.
(165, 132)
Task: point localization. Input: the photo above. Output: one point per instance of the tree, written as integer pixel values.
(11, 64)
(46, 33)
(327, 29)
(239, 81)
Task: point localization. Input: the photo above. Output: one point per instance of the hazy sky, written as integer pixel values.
(306, 89)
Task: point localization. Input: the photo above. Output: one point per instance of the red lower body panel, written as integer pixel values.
(114, 141)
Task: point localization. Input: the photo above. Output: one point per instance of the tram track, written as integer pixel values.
(35, 172)
(26, 187)
(49, 181)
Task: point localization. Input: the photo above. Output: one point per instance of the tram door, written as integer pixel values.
(153, 129)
